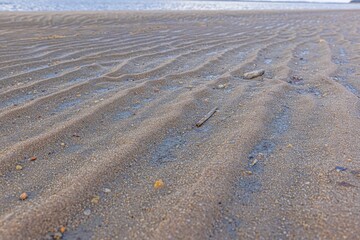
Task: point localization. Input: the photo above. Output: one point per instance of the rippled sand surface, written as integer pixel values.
(96, 108)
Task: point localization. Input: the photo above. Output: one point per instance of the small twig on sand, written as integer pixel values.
(206, 117)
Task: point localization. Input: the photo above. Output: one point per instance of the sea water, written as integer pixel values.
(100, 5)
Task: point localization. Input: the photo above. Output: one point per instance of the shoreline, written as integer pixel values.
(175, 11)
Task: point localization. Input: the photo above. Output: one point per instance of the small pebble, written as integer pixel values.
(62, 229)
(62, 144)
(57, 235)
(18, 167)
(87, 212)
(249, 172)
(254, 74)
(33, 158)
(254, 162)
(23, 196)
(340, 169)
(221, 86)
(159, 184)
(107, 190)
(95, 200)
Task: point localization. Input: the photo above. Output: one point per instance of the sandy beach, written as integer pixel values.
(98, 133)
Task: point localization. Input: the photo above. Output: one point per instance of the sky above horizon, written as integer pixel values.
(321, 1)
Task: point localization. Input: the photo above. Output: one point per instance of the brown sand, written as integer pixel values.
(108, 102)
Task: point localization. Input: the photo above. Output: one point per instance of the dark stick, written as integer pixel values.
(206, 117)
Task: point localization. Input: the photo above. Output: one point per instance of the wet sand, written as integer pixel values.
(97, 107)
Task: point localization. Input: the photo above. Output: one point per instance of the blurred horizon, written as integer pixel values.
(108, 5)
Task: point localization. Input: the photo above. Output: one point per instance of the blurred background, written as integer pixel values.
(99, 5)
